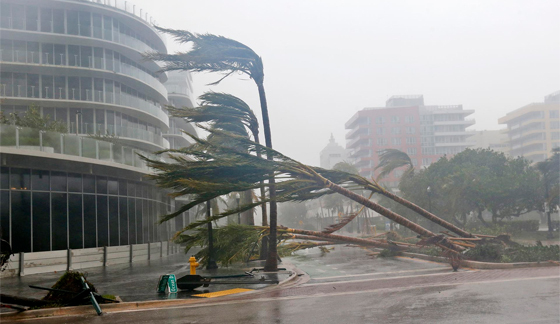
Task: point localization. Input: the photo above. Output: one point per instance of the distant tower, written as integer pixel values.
(332, 154)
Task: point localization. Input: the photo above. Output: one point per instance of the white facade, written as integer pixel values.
(332, 154)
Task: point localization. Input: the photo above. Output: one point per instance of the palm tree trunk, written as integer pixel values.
(426, 214)
(345, 239)
(264, 243)
(272, 258)
(387, 213)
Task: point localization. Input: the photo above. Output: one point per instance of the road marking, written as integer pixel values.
(223, 293)
(375, 279)
(321, 295)
(380, 273)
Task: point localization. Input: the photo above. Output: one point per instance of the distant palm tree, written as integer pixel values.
(212, 53)
(391, 159)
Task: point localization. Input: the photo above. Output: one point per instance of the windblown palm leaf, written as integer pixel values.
(391, 159)
(211, 53)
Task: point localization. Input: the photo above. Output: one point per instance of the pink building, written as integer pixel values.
(425, 133)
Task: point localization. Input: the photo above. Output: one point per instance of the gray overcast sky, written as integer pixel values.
(325, 60)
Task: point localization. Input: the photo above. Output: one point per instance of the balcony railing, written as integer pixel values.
(71, 145)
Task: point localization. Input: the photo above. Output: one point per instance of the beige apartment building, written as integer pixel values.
(534, 130)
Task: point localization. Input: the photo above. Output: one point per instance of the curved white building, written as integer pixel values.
(80, 62)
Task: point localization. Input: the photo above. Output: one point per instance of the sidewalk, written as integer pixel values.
(138, 281)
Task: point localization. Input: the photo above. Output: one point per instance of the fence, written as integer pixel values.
(42, 262)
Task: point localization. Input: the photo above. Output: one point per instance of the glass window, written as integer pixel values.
(5, 214)
(58, 21)
(40, 180)
(59, 202)
(123, 221)
(89, 183)
(113, 221)
(102, 221)
(4, 178)
(112, 186)
(73, 55)
(74, 182)
(62, 115)
(107, 24)
(101, 185)
(20, 179)
(109, 92)
(33, 52)
(7, 53)
(86, 56)
(47, 86)
(131, 221)
(139, 221)
(41, 222)
(85, 89)
(90, 221)
(21, 221)
(98, 90)
(75, 221)
(100, 121)
(146, 221)
(47, 53)
(60, 54)
(87, 120)
(31, 15)
(58, 181)
(98, 58)
(73, 26)
(5, 15)
(33, 85)
(18, 13)
(20, 51)
(74, 88)
(85, 24)
(60, 87)
(97, 29)
(46, 20)
(109, 60)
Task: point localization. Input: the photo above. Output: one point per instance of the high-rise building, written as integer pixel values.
(80, 63)
(424, 132)
(534, 129)
(495, 140)
(332, 154)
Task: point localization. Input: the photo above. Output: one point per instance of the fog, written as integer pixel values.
(325, 60)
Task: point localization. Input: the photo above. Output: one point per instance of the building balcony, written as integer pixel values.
(24, 95)
(466, 122)
(23, 139)
(123, 73)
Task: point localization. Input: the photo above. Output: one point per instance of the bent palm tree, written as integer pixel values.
(212, 53)
(391, 159)
(226, 112)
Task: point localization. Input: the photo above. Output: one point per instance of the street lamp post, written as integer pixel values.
(237, 197)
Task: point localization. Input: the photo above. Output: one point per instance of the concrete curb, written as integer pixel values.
(482, 265)
(128, 306)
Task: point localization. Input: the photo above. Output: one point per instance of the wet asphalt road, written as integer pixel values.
(348, 286)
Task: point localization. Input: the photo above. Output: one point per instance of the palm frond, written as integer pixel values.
(391, 159)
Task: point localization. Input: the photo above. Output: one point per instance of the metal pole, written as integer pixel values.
(211, 261)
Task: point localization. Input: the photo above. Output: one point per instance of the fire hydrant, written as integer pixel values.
(194, 264)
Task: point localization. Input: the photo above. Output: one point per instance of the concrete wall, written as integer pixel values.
(42, 262)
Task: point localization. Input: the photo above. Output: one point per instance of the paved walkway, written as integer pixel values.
(138, 281)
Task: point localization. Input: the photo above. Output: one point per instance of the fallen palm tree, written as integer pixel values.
(208, 170)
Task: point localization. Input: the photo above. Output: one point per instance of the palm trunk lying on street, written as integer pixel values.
(385, 212)
(426, 214)
(345, 239)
